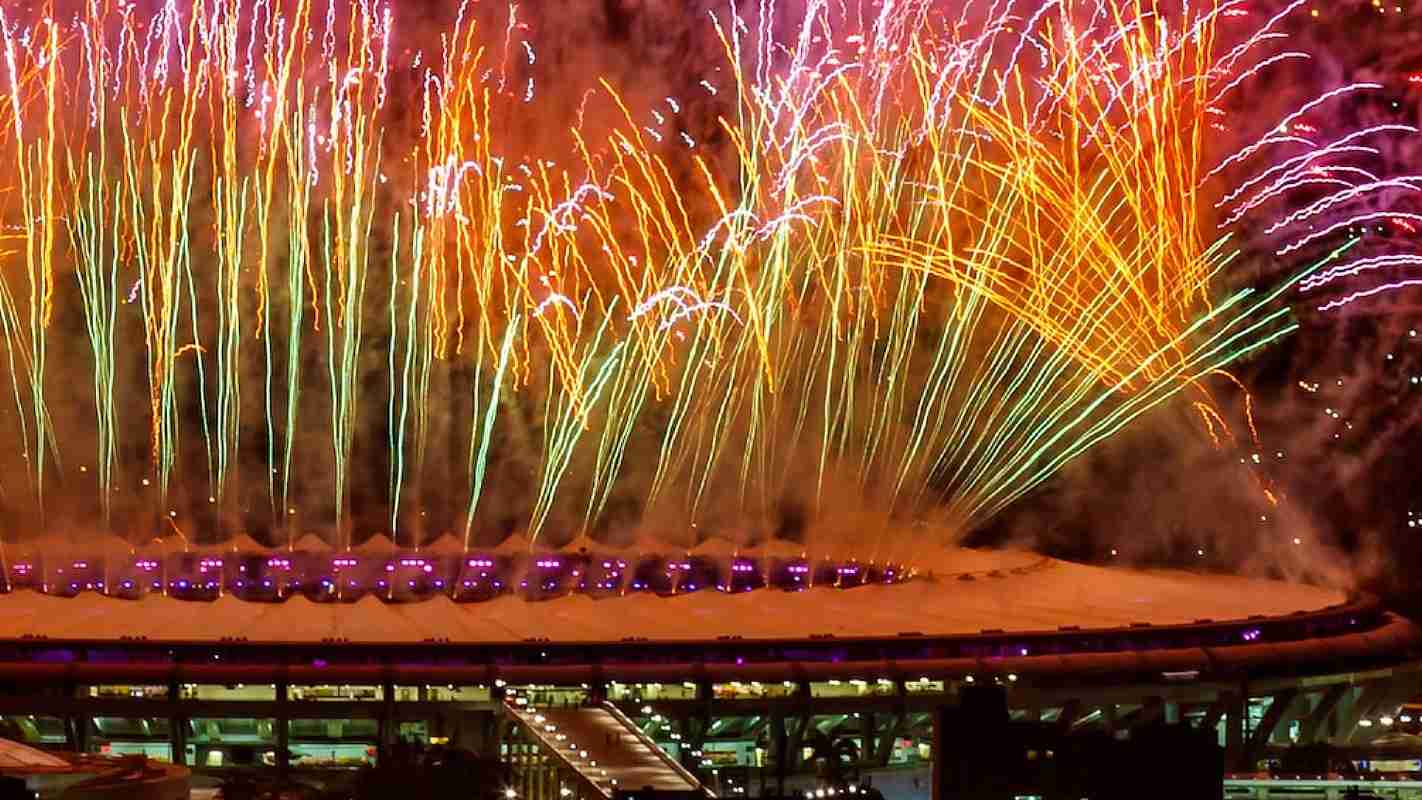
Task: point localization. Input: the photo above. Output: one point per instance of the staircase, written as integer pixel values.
(606, 749)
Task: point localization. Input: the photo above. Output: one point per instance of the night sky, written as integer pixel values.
(1336, 405)
(1313, 477)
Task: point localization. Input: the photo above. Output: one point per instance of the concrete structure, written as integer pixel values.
(601, 750)
(743, 688)
(83, 777)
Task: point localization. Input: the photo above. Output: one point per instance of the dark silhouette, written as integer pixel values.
(412, 770)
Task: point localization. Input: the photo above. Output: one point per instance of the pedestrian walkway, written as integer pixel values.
(605, 748)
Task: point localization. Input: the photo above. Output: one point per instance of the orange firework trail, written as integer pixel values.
(936, 258)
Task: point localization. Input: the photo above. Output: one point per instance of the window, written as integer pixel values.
(737, 690)
(546, 695)
(340, 692)
(333, 743)
(238, 691)
(33, 730)
(924, 686)
(121, 736)
(125, 692)
(236, 742)
(443, 694)
(852, 688)
(647, 692)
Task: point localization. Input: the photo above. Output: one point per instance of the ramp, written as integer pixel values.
(606, 749)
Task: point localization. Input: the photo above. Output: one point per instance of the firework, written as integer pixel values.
(936, 257)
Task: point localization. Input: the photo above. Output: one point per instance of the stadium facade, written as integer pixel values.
(749, 680)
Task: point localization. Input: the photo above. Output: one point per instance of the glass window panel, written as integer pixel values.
(924, 686)
(121, 736)
(333, 743)
(340, 692)
(125, 692)
(237, 691)
(231, 742)
(737, 690)
(444, 693)
(34, 730)
(545, 695)
(649, 692)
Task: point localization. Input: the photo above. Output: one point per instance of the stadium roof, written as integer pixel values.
(970, 591)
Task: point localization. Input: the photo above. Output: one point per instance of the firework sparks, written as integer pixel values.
(937, 269)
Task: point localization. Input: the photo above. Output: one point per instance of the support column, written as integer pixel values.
(389, 724)
(1333, 726)
(940, 732)
(1313, 725)
(283, 730)
(76, 731)
(1297, 711)
(1236, 716)
(1276, 713)
(868, 736)
(177, 724)
(778, 740)
(1386, 696)
(885, 749)
(1364, 700)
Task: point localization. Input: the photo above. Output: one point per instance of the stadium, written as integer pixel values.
(324, 322)
(743, 677)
